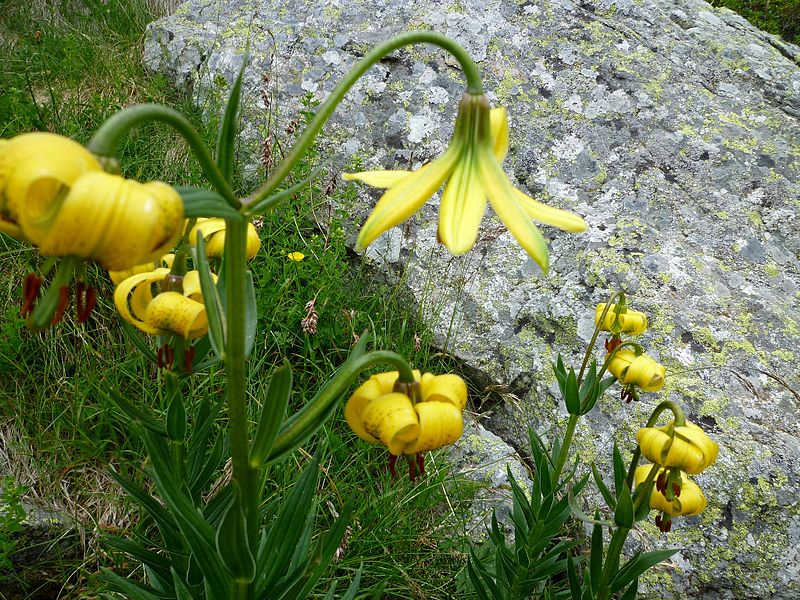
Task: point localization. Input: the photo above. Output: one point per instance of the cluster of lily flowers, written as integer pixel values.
(408, 418)
(56, 195)
(674, 450)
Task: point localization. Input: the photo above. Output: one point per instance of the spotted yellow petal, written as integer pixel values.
(134, 311)
(177, 313)
(445, 388)
(563, 219)
(353, 410)
(391, 419)
(440, 424)
(378, 179)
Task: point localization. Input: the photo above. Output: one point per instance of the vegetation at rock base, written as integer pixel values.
(781, 17)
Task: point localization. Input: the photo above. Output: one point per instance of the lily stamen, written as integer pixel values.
(63, 302)
(30, 291)
(85, 301)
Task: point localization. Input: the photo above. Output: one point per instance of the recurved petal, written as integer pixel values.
(440, 424)
(177, 313)
(498, 129)
(391, 418)
(132, 310)
(404, 198)
(354, 409)
(511, 213)
(445, 388)
(563, 219)
(462, 207)
(378, 179)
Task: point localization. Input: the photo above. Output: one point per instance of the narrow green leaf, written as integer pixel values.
(604, 491)
(273, 412)
(136, 339)
(572, 576)
(623, 512)
(630, 593)
(198, 202)
(476, 579)
(250, 310)
(579, 514)
(181, 591)
(226, 142)
(605, 384)
(287, 527)
(262, 207)
(233, 546)
(571, 397)
(596, 555)
(632, 569)
(211, 298)
(134, 591)
(176, 419)
(138, 415)
(589, 380)
(351, 592)
(619, 470)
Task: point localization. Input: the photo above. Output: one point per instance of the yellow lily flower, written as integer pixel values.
(54, 193)
(166, 312)
(687, 448)
(641, 370)
(35, 170)
(631, 321)
(690, 502)
(118, 277)
(379, 415)
(471, 168)
(213, 231)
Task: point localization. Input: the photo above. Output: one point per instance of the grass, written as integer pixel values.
(781, 17)
(70, 65)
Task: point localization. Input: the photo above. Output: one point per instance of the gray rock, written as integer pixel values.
(672, 127)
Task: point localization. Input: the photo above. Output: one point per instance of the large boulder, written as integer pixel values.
(672, 127)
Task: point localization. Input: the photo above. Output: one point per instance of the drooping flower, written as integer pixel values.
(36, 169)
(54, 193)
(213, 231)
(182, 313)
(690, 501)
(641, 370)
(471, 169)
(687, 448)
(380, 415)
(630, 321)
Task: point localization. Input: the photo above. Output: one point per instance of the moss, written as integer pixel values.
(771, 269)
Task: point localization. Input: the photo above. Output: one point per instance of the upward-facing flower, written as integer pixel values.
(471, 168)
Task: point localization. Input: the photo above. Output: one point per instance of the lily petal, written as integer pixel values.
(550, 215)
(462, 207)
(378, 179)
(406, 196)
(498, 130)
(135, 313)
(511, 213)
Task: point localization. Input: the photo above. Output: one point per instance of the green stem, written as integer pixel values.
(303, 422)
(235, 367)
(105, 140)
(590, 347)
(562, 457)
(679, 421)
(474, 86)
(612, 561)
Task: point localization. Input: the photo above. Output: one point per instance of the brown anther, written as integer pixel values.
(676, 489)
(30, 291)
(165, 357)
(412, 469)
(392, 465)
(63, 302)
(85, 301)
(661, 483)
(611, 343)
(188, 357)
